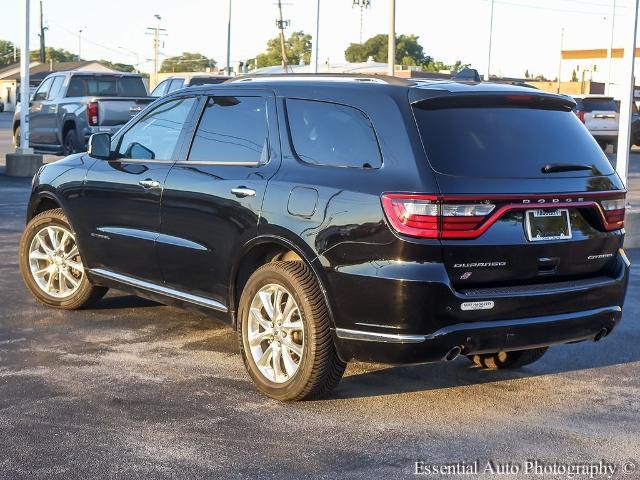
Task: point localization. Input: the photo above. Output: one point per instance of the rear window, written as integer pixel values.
(507, 141)
(598, 104)
(106, 86)
(206, 80)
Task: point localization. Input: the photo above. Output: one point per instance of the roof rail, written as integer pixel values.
(310, 77)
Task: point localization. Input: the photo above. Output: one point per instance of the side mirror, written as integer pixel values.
(100, 146)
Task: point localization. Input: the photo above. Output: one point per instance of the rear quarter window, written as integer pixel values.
(332, 134)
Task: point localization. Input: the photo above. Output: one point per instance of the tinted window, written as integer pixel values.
(330, 134)
(54, 91)
(160, 89)
(231, 129)
(155, 136)
(106, 86)
(595, 103)
(206, 80)
(43, 89)
(507, 141)
(176, 84)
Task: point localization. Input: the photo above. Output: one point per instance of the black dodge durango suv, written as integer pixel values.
(337, 218)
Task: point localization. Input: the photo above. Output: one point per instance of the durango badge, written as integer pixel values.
(484, 305)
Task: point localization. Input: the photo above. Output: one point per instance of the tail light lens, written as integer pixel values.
(580, 115)
(427, 216)
(92, 113)
(613, 213)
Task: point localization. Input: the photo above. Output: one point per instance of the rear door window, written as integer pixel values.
(232, 129)
(506, 141)
(332, 134)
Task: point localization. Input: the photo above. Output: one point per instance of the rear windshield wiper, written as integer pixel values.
(565, 167)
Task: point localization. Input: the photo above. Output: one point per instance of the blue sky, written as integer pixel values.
(526, 32)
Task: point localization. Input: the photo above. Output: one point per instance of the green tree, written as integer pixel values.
(6, 52)
(120, 67)
(56, 55)
(526, 73)
(187, 62)
(574, 75)
(437, 65)
(297, 48)
(408, 50)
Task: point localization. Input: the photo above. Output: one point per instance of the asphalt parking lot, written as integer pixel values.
(134, 389)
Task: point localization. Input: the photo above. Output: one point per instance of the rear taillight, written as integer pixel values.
(428, 216)
(613, 213)
(92, 113)
(580, 115)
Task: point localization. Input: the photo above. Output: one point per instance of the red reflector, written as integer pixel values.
(92, 113)
(580, 115)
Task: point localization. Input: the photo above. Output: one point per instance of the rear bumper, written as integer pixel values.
(393, 320)
(478, 337)
(110, 129)
(605, 134)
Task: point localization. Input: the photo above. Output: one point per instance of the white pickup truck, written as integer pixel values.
(68, 107)
(600, 115)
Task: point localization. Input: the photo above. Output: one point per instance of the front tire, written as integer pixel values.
(503, 360)
(284, 333)
(51, 265)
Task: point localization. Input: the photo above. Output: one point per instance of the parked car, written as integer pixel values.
(339, 218)
(68, 107)
(635, 122)
(600, 115)
(177, 82)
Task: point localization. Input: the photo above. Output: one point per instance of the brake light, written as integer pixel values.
(580, 115)
(92, 113)
(613, 213)
(428, 216)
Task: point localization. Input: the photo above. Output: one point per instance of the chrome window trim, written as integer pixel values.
(153, 237)
(155, 288)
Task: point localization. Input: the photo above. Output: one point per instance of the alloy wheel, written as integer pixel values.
(54, 262)
(275, 333)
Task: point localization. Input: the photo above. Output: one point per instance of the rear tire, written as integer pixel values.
(502, 360)
(70, 144)
(284, 333)
(51, 266)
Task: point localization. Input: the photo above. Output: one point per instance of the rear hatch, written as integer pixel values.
(526, 194)
(119, 110)
(599, 114)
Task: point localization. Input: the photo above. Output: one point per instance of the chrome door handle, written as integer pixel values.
(243, 192)
(149, 183)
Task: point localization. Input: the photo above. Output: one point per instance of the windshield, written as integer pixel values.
(507, 141)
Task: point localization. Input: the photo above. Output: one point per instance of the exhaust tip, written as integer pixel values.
(452, 354)
(601, 334)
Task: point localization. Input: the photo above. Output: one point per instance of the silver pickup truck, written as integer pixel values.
(68, 107)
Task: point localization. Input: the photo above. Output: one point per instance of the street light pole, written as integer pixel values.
(314, 52)
(80, 44)
(624, 135)
(487, 72)
(24, 83)
(229, 40)
(391, 52)
(610, 49)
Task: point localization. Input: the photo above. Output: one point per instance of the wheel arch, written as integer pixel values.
(260, 251)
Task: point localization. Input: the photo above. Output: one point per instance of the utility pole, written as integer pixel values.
(560, 59)
(486, 73)
(42, 43)
(624, 134)
(282, 24)
(362, 4)
(157, 32)
(80, 44)
(316, 40)
(391, 52)
(229, 41)
(610, 49)
(24, 83)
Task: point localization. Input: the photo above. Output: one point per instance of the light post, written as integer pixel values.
(80, 44)
(391, 52)
(229, 40)
(486, 73)
(316, 40)
(624, 135)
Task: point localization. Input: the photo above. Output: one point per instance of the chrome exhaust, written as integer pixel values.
(452, 354)
(601, 334)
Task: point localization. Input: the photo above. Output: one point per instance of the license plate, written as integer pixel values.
(547, 225)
